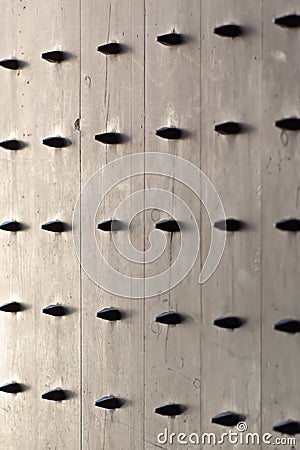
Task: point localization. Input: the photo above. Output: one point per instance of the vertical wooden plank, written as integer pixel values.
(230, 77)
(172, 100)
(40, 184)
(112, 101)
(280, 199)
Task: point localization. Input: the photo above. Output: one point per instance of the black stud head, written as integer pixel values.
(229, 322)
(56, 142)
(12, 64)
(168, 225)
(290, 21)
(171, 133)
(109, 138)
(229, 225)
(56, 395)
(288, 325)
(11, 307)
(109, 225)
(12, 144)
(12, 226)
(11, 388)
(109, 402)
(169, 318)
(55, 226)
(54, 310)
(171, 409)
(229, 30)
(228, 419)
(54, 56)
(112, 48)
(228, 128)
(290, 124)
(170, 39)
(288, 225)
(110, 314)
(287, 427)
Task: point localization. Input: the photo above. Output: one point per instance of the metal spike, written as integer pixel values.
(169, 318)
(12, 144)
(230, 322)
(56, 395)
(288, 325)
(109, 402)
(109, 138)
(11, 307)
(54, 310)
(170, 39)
(109, 225)
(12, 64)
(288, 225)
(56, 142)
(112, 48)
(110, 314)
(169, 133)
(228, 419)
(290, 21)
(55, 56)
(12, 226)
(291, 124)
(171, 409)
(228, 225)
(229, 30)
(227, 128)
(168, 225)
(11, 388)
(288, 427)
(55, 226)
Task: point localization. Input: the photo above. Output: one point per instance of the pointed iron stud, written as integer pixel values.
(171, 410)
(55, 56)
(12, 144)
(227, 128)
(11, 307)
(56, 142)
(109, 138)
(290, 124)
(229, 322)
(288, 325)
(288, 225)
(56, 395)
(111, 314)
(12, 226)
(55, 226)
(290, 21)
(171, 133)
(12, 64)
(109, 402)
(169, 318)
(54, 310)
(170, 39)
(109, 225)
(287, 427)
(168, 225)
(11, 388)
(229, 30)
(112, 48)
(229, 225)
(228, 419)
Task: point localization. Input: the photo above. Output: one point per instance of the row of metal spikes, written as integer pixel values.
(169, 39)
(111, 402)
(167, 318)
